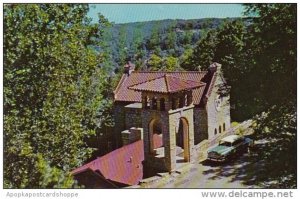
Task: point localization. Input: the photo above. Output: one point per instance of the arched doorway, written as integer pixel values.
(156, 138)
(182, 141)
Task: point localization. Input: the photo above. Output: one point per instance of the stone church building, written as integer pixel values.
(163, 119)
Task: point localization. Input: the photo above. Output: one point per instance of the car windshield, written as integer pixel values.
(224, 143)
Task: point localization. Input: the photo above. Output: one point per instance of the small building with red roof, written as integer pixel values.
(119, 168)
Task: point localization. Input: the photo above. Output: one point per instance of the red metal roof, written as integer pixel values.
(166, 84)
(123, 93)
(122, 165)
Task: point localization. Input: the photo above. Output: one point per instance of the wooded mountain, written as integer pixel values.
(164, 38)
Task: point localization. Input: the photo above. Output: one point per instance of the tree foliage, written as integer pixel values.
(50, 99)
(157, 63)
(274, 58)
(154, 63)
(164, 38)
(203, 53)
(274, 52)
(259, 63)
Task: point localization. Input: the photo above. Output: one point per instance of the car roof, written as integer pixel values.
(231, 138)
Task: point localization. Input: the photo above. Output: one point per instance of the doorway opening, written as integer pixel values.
(182, 141)
(156, 138)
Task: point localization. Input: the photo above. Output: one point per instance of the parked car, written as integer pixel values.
(228, 147)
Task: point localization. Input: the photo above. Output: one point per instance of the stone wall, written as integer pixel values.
(200, 151)
(218, 111)
(133, 116)
(187, 114)
(119, 118)
(151, 116)
(169, 121)
(200, 125)
(131, 135)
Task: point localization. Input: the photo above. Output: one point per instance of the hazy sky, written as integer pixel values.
(124, 13)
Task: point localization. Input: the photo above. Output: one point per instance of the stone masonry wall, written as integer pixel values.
(186, 113)
(162, 117)
(131, 135)
(169, 121)
(133, 117)
(119, 118)
(217, 117)
(200, 125)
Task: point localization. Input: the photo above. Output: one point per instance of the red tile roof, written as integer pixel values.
(166, 84)
(124, 94)
(122, 165)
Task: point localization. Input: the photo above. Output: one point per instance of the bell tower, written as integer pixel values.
(167, 120)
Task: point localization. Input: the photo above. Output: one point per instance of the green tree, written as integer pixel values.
(272, 58)
(274, 39)
(185, 58)
(230, 50)
(154, 63)
(203, 54)
(122, 45)
(137, 41)
(259, 63)
(170, 41)
(49, 96)
(170, 64)
(187, 37)
(154, 40)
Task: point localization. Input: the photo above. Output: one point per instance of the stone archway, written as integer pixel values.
(156, 137)
(182, 139)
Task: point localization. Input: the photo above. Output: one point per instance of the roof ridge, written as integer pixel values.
(203, 71)
(149, 80)
(167, 83)
(119, 84)
(210, 87)
(183, 79)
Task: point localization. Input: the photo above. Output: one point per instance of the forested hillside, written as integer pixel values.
(165, 40)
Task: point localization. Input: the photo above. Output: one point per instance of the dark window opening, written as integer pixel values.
(173, 103)
(154, 103)
(181, 102)
(162, 104)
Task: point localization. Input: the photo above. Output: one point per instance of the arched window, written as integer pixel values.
(154, 103)
(224, 126)
(220, 129)
(216, 132)
(162, 104)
